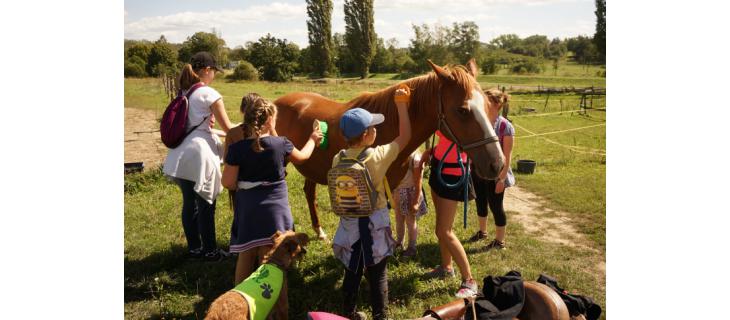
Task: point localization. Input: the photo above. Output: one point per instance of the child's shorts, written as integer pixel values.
(406, 195)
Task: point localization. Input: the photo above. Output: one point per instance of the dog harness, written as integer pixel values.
(261, 290)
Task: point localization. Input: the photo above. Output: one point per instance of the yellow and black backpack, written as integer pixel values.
(352, 192)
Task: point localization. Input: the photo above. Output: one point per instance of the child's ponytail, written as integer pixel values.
(188, 77)
(497, 96)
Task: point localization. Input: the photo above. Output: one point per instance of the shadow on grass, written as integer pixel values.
(313, 285)
(168, 273)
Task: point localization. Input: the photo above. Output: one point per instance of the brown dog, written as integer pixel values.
(288, 246)
(541, 303)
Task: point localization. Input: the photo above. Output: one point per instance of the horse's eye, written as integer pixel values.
(463, 111)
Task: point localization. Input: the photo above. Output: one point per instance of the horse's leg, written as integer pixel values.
(310, 192)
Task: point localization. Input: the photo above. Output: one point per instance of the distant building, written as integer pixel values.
(232, 64)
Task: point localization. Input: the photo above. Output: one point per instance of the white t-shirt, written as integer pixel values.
(199, 107)
(413, 161)
(197, 158)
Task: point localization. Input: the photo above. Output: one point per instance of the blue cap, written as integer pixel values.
(355, 121)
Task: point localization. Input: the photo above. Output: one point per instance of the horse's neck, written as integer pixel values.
(425, 121)
(424, 113)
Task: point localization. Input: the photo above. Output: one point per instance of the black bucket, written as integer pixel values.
(133, 167)
(526, 166)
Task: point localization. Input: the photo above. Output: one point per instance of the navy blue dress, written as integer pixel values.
(262, 210)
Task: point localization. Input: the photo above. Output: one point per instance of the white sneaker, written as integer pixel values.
(468, 289)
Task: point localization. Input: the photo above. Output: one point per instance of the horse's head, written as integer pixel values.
(463, 118)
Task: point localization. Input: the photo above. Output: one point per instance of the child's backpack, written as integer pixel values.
(175, 118)
(352, 192)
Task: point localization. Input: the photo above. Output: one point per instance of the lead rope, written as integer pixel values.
(463, 180)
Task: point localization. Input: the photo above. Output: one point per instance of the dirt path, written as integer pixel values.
(546, 224)
(142, 138)
(549, 225)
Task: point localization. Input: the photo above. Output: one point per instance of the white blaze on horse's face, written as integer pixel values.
(477, 107)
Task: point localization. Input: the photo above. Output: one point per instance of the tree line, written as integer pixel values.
(359, 51)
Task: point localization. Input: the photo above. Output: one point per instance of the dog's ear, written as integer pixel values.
(302, 238)
(276, 235)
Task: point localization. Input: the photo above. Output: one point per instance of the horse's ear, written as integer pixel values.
(442, 73)
(471, 66)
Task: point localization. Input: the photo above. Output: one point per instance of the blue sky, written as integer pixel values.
(241, 21)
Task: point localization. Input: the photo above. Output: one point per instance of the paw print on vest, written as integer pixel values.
(262, 275)
(267, 291)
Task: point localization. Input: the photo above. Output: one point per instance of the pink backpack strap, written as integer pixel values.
(193, 88)
(502, 126)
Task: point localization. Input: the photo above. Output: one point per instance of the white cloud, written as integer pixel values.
(179, 25)
(459, 5)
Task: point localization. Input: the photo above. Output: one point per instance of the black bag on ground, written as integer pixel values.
(503, 298)
(576, 304)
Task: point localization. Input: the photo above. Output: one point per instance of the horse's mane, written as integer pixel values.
(423, 90)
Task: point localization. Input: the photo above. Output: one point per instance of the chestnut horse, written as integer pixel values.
(449, 99)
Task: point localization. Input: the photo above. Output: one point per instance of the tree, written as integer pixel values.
(238, 53)
(464, 41)
(141, 50)
(320, 36)
(584, 51)
(431, 43)
(556, 49)
(536, 45)
(162, 58)
(344, 59)
(203, 41)
(508, 42)
(275, 59)
(134, 67)
(599, 39)
(383, 60)
(360, 33)
(244, 71)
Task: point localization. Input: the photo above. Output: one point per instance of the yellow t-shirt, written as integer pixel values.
(377, 164)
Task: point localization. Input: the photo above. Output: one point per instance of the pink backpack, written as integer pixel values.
(175, 118)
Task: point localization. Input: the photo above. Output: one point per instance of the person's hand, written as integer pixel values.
(415, 206)
(402, 96)
(218, 132)
(426, 157)
(211, 121)
(316, 135)
(499, 188)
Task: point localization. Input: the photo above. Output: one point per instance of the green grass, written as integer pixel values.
(508, 81)
(160, 283)
(573, 181)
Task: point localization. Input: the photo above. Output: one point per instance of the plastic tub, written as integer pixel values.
(526, 166)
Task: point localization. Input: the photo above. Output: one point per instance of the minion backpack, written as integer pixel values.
(352, 193)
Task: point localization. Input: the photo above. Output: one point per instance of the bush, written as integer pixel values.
(244, 71)
(490, 66)
(134, 67)
(528, 66)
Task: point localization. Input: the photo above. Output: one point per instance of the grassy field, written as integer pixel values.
(161, 283)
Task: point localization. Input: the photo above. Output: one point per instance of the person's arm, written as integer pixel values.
(425, 157)
(230, 177)
(404, 122)
(507, 150)
(418, 184)
(298, 156)
(219, 111)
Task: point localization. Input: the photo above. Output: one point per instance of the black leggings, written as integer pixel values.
(484, 190)
(377, 276)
